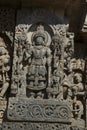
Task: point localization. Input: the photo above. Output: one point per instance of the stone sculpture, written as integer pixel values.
(39, 55)
(47, 88)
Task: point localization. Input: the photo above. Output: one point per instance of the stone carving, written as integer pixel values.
(3, 104)
(86, 81)
(47, 86)
(38, 110)
(78, 86)
(44, 68)
(68, 50)
(39, 126)
(55, 91)
(5, 68)
(39, 55)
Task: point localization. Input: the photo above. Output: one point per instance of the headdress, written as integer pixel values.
(40, 33)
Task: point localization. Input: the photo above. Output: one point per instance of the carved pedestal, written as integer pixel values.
(38, 110)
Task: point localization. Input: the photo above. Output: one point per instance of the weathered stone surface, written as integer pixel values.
(20, 109)
(46, 89)
(38, 126)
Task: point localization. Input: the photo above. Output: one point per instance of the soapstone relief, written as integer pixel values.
(45, 69)
(47, 83)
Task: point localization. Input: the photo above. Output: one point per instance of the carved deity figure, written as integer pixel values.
(77, 64)
(78, 109)
(55, 91)
(78, 88)
(39, 61)
(4, 68)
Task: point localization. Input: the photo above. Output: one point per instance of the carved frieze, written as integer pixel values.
(38, 110)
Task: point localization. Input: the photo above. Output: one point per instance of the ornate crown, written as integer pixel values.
(40, 33)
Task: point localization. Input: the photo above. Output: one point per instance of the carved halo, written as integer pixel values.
(39, 32)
